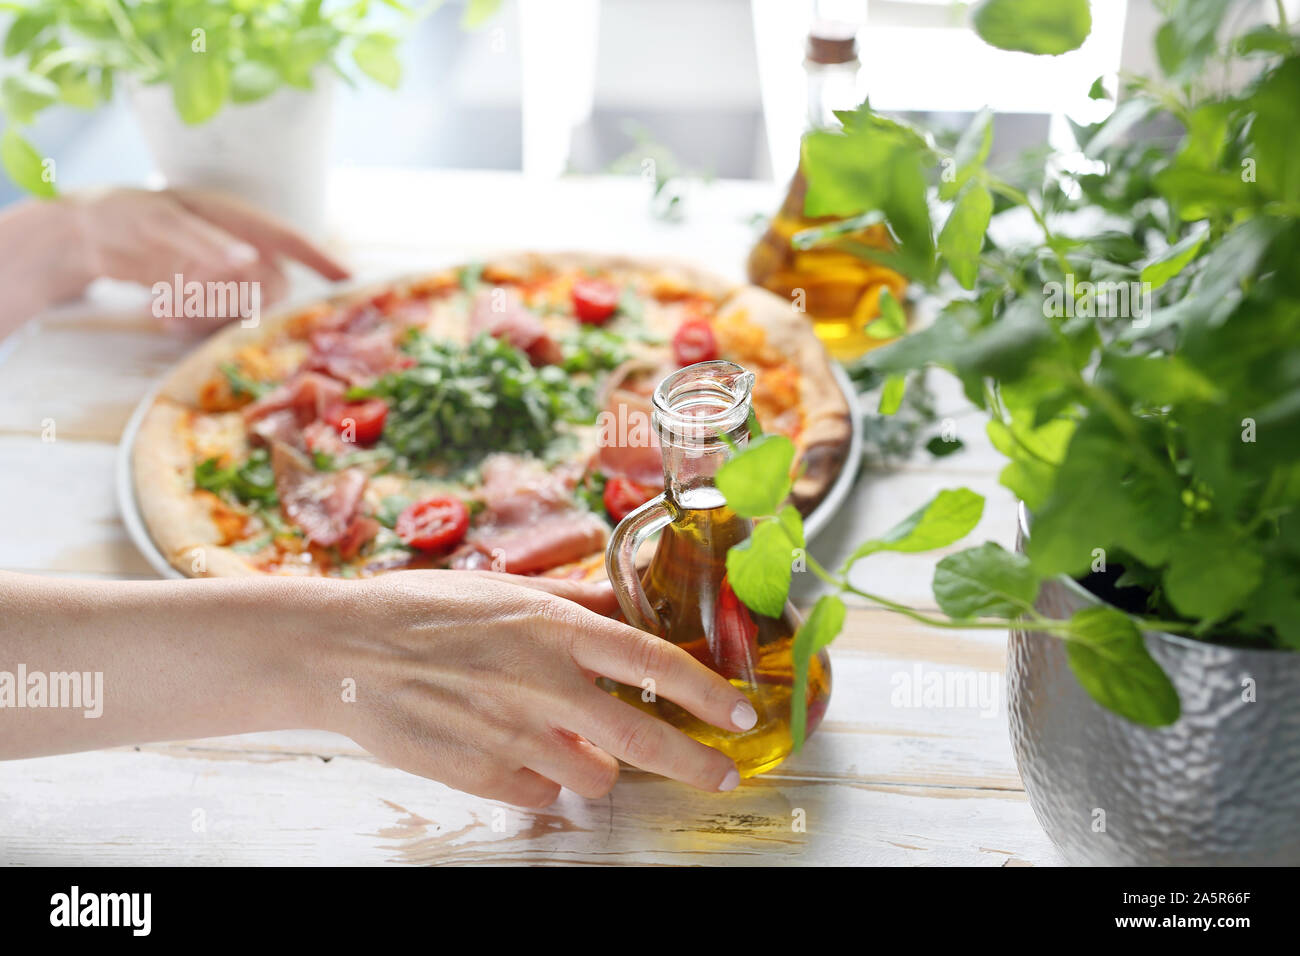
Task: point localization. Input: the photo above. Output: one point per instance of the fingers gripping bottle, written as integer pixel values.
(701, 413)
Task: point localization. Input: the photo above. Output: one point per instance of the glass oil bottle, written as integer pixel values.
(841, 291)
(700, 414)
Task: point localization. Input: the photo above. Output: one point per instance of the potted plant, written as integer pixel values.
(233, 95)
(1139, 361)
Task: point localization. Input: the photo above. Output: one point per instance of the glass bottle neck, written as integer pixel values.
(691, 468)
(701, 414)
(831, 87)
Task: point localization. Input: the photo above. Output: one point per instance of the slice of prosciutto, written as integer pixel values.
(278, 426)
(530, 522)
(352, 358)
(626, 443)
(322, 503)
(388, 308)
(501, 313)
(323, 437)
(357, 535)
(308, 395)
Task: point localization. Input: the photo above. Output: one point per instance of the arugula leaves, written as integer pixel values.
(459, 402)
(593, 348)
(590, 491)
(241, 384)
(249, 481)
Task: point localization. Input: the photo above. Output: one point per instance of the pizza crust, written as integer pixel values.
(827, 421)
(162, 458)
(179, 523)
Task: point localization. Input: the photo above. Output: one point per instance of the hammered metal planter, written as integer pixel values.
(1219, 787)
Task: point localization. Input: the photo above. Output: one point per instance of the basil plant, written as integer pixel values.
(1137, 355)
(211, 52)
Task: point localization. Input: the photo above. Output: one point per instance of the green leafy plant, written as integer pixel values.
(1138, 358)
(211, 52)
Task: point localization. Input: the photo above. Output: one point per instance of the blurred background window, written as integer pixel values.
(716, 87)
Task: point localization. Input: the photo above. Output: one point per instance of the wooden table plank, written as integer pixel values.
(105, 807)
(59, 511)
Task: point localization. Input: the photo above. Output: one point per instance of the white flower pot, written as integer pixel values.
(273, 153)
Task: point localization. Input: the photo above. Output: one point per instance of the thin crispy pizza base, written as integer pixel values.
(180, 523)
(162, 459)
(827, 423)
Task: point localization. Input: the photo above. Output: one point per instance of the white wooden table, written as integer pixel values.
(879, 783)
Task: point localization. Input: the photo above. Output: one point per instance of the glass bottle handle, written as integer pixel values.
(620, 561)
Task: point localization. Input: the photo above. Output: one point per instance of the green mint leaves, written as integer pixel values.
(962, 236)
(200, 86)
(875, 164)
(892, 321)
(757, 480)
(1108, 657)
(376, 56)
(1141, 375)
(985, 581)
(891, 394)
(24, 165)
(755, 483)
(948, 517)
(1033, 26)
(823, 625)
(759, 570)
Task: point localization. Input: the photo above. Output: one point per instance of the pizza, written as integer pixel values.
(460, 419)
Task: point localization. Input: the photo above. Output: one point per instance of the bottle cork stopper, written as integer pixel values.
(832, 41)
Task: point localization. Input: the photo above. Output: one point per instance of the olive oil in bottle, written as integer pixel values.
(841, 291)
(684, 596)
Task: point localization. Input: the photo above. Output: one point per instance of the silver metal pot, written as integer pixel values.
(1219, 787)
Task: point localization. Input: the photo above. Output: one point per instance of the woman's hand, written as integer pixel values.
(485, 683)
(50, 250)
(481, 681)
(150, 236)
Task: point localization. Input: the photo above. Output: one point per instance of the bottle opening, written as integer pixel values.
(703, 402)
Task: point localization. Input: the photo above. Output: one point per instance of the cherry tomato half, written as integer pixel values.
(363, 421)
(594, 300)
(735, 636)
(694, 342)
(434, 523)
(623, 496)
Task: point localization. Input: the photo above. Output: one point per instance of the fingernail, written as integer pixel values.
(730, 782)
(743, 715)
(241, 254)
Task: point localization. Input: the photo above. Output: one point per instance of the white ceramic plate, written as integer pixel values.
(135, 526)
